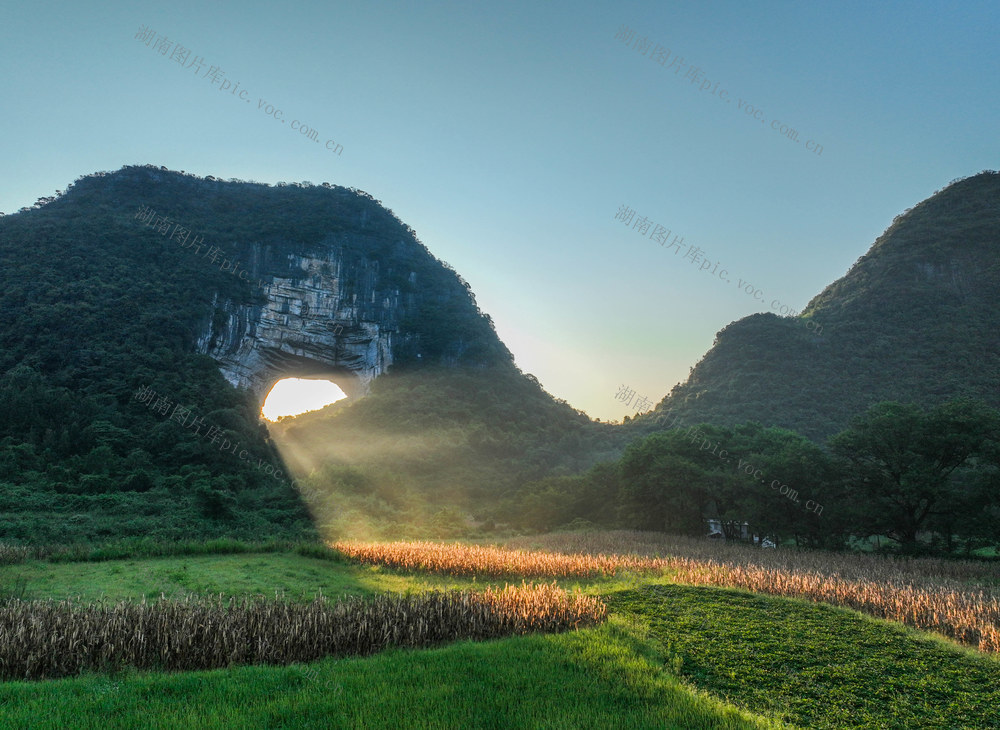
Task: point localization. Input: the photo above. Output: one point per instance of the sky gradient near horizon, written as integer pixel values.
(509, 135)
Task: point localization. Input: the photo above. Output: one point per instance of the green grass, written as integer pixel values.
(232, 575)
(671, 656)
(587, 679)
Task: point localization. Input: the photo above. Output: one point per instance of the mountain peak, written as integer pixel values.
(916, 318)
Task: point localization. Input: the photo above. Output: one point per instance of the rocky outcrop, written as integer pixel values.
(306, 327)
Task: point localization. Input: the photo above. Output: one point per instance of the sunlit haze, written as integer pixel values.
(292, 396)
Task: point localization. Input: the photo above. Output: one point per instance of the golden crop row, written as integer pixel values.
(934, 571)
(898, 590)
(468, 560)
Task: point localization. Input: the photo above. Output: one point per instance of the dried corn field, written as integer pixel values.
(956, 599)
(486, 561)
(46, 639)
(844, 565)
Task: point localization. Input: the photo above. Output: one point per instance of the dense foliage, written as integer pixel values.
(926, 478)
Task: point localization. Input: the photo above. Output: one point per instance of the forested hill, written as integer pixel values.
(98, 306)
(916, 319)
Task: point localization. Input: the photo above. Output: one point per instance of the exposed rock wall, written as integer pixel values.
(306, 328)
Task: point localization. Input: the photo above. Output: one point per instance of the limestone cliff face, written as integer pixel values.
(306, 327)
(335, 285)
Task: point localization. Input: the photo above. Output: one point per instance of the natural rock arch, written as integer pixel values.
(305, 329)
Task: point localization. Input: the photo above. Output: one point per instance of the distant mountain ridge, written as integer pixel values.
(917, 318)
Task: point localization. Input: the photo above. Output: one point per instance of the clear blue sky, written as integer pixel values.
(509, 134)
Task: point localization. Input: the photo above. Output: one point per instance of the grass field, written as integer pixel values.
(231, 575)
(670, 656)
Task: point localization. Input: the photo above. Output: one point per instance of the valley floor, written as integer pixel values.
(669, 656)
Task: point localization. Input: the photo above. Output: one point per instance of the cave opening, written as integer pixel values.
(294, 396)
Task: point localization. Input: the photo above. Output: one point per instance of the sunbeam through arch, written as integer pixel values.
(292, 396)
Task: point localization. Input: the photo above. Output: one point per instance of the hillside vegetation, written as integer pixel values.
(916, 319)
(111, 423)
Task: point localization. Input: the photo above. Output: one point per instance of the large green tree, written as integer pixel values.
(663, 485)
(907, 467)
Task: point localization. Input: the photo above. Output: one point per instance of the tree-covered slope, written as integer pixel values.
(916, 319)
(97, 307)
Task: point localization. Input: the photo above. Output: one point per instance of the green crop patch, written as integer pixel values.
(815, 665)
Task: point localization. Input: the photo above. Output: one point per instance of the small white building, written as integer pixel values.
(715, 532)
